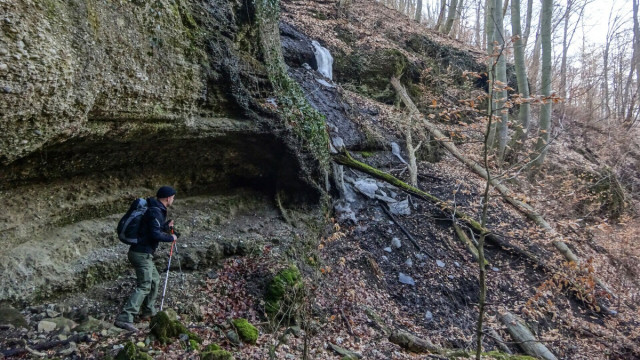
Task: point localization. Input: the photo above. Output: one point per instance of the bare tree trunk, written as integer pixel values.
(527, 25)
(545, 112)
(409, 10)
(635, 63)
(605, 81)
(535, 63)
(612, 32)
(490, 28)
(479, 41)
(565, 47)
(636, 38)
(457, 22)
(451, 15)
(443, 6)
(504, 8)
(524, 113)
(419, 12)
(482, 276)
(628, 99)
(501, 73)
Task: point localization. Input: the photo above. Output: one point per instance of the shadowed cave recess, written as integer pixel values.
(61, 204)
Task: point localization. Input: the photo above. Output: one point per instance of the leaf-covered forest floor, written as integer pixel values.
(352, 274)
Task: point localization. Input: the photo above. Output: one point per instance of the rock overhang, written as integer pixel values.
(102, 102)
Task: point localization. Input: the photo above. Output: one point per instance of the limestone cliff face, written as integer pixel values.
(104, 100)
(70, 64)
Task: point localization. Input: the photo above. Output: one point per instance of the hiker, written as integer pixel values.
(153, 230)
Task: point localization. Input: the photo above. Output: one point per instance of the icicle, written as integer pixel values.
(324, 60)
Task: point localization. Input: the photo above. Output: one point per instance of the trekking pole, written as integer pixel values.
(179, 268)
(166, 279)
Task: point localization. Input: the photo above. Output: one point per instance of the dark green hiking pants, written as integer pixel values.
(144, 296)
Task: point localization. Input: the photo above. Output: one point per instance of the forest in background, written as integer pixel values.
(593, 49)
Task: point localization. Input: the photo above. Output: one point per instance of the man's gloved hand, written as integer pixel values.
(174, 232)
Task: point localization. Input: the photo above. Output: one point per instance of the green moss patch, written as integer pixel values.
(194, 345)
(215, 352)
(131, 352)
(292, 106)
(284, 293)
(248, 333)
(165, 329)
(369, 73)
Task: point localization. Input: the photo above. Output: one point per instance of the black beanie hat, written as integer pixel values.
(165, 192)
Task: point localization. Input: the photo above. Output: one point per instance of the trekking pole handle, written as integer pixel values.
(173, 244)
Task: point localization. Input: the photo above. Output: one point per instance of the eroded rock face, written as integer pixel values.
(104, 101)
(69, 64)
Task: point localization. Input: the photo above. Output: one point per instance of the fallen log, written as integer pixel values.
(506, 193)
(467, 243)
(494, 334)
(525, 339)
(344, 352)
(412, 342)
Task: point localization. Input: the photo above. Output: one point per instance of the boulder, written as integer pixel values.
(247, 332)
(58, 324)
(11, 316)
(91, 325)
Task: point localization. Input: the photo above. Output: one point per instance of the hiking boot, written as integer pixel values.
(146, 316)
(126, 326)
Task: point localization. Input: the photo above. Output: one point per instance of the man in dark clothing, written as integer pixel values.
(153, 230)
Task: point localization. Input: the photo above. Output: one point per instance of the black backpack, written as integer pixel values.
(129, 225)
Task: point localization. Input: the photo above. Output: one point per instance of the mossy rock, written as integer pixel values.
(284, 292)
(165, 329)
(211, 347)
(11, 316)
(215, 352)
(248, 333)
(369, 73)
(131, 352)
